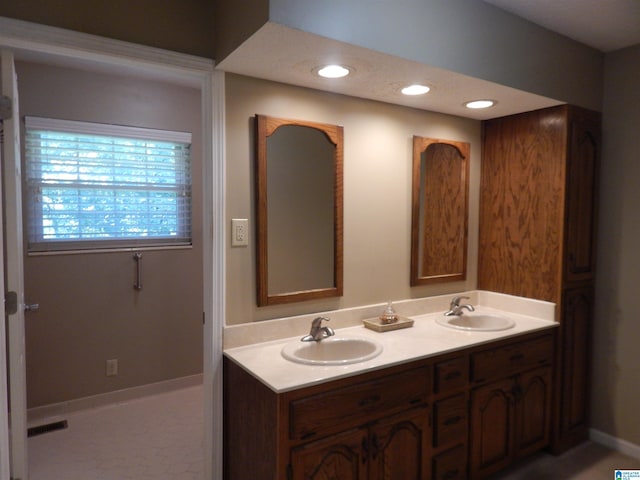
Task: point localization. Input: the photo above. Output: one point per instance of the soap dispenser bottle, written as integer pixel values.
(389, 315)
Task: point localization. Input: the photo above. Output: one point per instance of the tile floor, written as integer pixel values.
(153, 438)
(589, 461)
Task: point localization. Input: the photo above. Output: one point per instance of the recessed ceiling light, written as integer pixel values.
(415, 90)
(480, 104)
(333, 71)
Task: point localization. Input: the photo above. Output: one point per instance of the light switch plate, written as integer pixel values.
(239, 232)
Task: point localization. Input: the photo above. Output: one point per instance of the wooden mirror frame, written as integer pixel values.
(451, 192)
(265, 127)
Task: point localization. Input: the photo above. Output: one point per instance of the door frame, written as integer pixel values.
(4, 399)
(14, 268)
(30, 40)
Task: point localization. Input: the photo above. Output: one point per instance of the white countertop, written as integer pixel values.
(425, 339)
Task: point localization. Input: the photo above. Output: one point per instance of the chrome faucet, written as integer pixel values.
(318, 332)
(456, 309)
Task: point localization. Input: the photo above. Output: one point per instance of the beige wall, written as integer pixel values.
(89, 310)
(616, 370)
(377, 192)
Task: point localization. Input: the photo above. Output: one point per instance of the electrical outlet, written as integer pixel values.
(239, 232)
(112, 367)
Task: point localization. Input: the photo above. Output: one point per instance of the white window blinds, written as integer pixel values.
(94, 185)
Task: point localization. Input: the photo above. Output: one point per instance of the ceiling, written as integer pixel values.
(605, 25)
(286, 55)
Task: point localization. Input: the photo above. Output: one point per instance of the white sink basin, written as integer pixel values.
(476, 323)
(332, 351)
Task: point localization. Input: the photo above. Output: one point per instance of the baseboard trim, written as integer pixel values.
(37, 414)
(617, 444)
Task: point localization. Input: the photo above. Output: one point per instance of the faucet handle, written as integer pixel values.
(456, 300)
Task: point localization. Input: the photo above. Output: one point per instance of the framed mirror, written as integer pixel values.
(299, 210)
(439, 213)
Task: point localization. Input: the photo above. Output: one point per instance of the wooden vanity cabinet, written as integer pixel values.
(538, 206)
(450, 417)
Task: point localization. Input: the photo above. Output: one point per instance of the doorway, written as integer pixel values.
(40, 45)
(113, 323)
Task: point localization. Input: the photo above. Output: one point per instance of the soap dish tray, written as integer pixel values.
(377, 325)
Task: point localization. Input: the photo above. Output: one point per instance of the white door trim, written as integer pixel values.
(4, 402)
(35, 41)
(14, 268)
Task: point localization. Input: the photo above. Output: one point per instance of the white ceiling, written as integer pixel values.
(605, 25)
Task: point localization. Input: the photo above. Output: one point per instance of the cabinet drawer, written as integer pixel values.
(450, 421)
(451, 375)
(357, 404)
(502, 361)
(450, 465)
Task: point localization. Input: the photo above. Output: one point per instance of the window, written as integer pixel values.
(94, 185)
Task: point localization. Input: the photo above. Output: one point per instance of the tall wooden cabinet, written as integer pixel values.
(537, 235)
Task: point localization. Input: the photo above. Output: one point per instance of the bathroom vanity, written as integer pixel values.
(438, 403)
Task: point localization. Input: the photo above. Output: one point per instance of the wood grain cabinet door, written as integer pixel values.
(492, 428)
(576, 353)
(533, 414)
(338, 457)
(400, 447)
(582, 179)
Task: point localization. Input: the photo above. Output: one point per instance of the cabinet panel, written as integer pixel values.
(450, 421)
(492, 428)
(503, 361)
(575, 365)
(533, 424)
(451, 375)
(522, 199)
(400, 447)
(340, 456)
(583, 159)
(354, 405)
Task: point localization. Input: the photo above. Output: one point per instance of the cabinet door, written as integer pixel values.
(533, 400)
(582, 167)
(492, 428)
(400, 447)
(574, 371)
(522, 191)
(338, 457)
